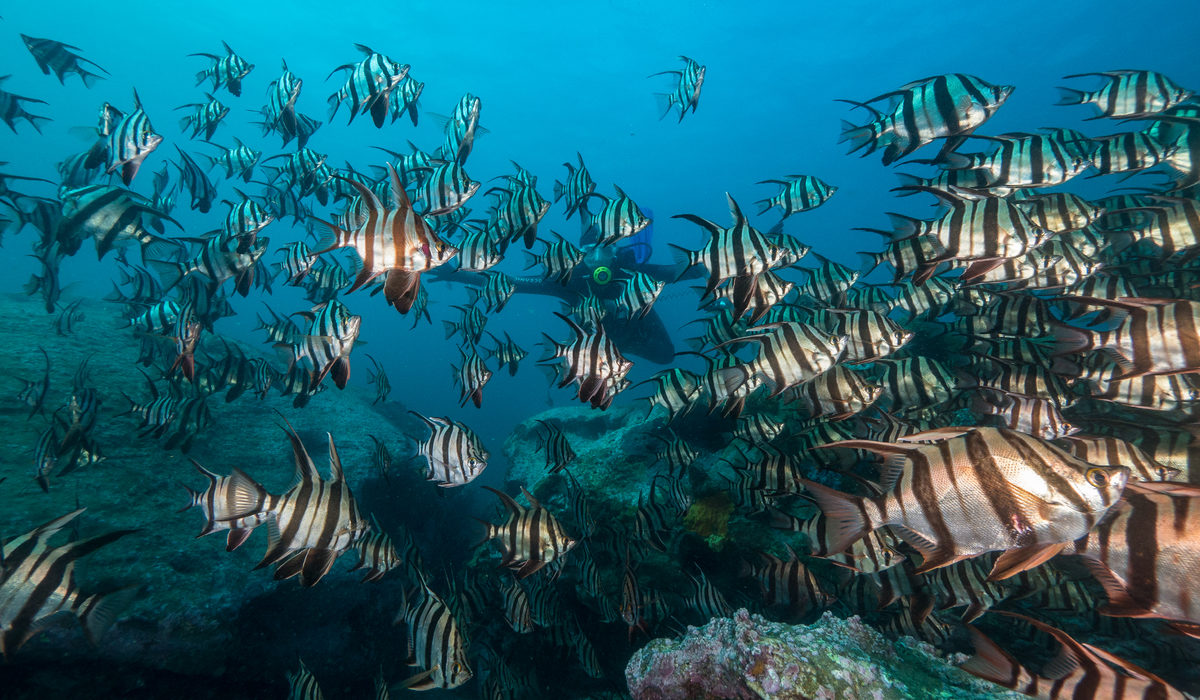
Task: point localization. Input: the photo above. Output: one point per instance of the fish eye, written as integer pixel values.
(1097, 477)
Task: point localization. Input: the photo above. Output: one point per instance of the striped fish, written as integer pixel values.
(942, 106)
(1147, 553)
(589, 309)
(45, 457)
(302, 685)
(62, 59)
(515, 606)
(1060, 212)
(577, 189)
(376, 553)
(11, 109)
(444, 187)
(453, 452)
(312, 523)
(559, 259)
(530, 538)
(234, 503)
(199, 187)
(471, 324)
(298, 260)
(1078, 671)
(518, 212)
(397, 241)
(677, 454)
(798, 193)
(497, 290)
(125, 141)
(676, 390)
(327, 342)
(870, 335)
(378, 377)
(592, 361)
(506, 353)
(38, 581)
(238, 160)
(1152, 336)
(789, 354)
(961, 492)
(756, 429)
(872, 554)
(280, 112)
(1127, 94)
(740, 253)
(369, 85)
(1026, 414)
(471, 375)
(434, 642)
(404, 99)
(838, 394)
(558, 449)
(244, 220)
(788, 582)
(113, 217)
(478, 250)
(461, 128)
(707, 600)
(639, 291)
(965, 584)
(914, 383)
(617, 218)
(984, 230)
(1022, 160)
(227, 70)
(1129, 152)
(686, 91)
(205, 117)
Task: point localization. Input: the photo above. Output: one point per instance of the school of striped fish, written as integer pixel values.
(1003, 424)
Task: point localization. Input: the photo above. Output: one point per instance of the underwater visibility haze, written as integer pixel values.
(604, 350)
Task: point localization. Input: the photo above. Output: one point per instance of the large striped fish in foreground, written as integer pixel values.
(312, 523)
(38, 581)
(453, 452)
(958, 492)
(396, 241)
(125, 141)
(530, 538)
(434, 643)
(593, 362)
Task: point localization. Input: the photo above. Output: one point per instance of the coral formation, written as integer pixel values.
(746, 657)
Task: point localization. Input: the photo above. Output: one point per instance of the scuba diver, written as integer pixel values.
(599, 274)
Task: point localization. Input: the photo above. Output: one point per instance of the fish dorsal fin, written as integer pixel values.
(507, 500)
(306, 471)
(734, 210)
(529, 496)
(335, 462)
(399, 196)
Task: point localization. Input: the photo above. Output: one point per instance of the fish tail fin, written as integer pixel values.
(201, 77)
(665, 101)
(559, 190)
(765, 205)
(168, 271)
(858, 136)
(33, 285)
(98, 612)
(870, 261)
(849, 517)
(1070, 96)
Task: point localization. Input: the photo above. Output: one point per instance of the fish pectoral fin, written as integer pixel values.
(1014, 561)
(420, 681)
(1063, 663)
(933, 555)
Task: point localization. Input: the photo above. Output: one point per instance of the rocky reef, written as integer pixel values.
(201, 612)
(747, 657)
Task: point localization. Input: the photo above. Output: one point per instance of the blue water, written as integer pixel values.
(561, 78)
